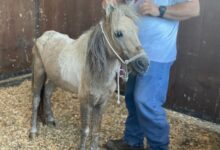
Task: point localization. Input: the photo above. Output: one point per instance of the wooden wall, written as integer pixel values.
(195, 81)
(16, 34)
(21, 21)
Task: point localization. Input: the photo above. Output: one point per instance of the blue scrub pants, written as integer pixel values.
(144, 98)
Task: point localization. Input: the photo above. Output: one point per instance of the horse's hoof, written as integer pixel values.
(33, 136)
(51, 124)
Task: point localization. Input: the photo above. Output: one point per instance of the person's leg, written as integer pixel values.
(133, 135)
(150, 95)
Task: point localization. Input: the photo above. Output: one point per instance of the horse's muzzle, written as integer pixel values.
(140, 65)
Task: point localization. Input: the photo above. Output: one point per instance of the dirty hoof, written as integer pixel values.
(33, 136)
(51, 124)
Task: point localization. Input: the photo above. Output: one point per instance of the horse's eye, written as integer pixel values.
(118, 34)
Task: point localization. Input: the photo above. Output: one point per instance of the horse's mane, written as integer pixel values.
(97, 45)
(97, 54)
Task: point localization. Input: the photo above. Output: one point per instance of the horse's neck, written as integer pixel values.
(112, 64)
(104, 79)
(81, 42)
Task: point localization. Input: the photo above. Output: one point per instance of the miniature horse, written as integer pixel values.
(86, 66)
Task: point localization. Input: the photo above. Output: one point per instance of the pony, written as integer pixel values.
(86, 66)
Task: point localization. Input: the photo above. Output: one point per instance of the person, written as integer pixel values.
(145, 94)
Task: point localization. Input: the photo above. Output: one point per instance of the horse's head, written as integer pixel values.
(122, 32)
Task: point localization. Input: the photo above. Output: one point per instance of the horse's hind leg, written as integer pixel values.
(38, 79)
(48, 90)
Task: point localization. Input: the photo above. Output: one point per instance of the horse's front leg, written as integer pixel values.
(96, 123)
(85, 110)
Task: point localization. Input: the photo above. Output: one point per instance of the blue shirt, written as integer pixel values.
(157, 35)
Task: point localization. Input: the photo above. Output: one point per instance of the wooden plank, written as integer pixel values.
(69, 16)
(16, 34)
(195, 89)
(22, 21)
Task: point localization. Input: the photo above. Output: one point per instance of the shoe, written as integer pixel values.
(120, 145)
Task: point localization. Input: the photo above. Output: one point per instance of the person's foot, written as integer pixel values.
(120, 145)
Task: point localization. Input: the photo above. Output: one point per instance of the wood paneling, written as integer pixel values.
(69, 16)
(195, 82)
(23, 20)
(16, 34)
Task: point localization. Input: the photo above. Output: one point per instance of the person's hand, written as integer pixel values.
(149, 8)
(105, 2)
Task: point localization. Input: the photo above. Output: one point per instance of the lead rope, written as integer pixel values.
(124, 76)
(118, 86)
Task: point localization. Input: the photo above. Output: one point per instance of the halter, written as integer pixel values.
(124, 62)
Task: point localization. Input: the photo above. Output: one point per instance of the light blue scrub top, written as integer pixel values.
(157, 35)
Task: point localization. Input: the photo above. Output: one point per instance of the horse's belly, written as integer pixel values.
(64, 75)
(66, 85)
(70, 67)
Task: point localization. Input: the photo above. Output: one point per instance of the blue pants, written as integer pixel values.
(144, 98)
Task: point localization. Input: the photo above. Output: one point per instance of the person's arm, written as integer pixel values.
(181, 11)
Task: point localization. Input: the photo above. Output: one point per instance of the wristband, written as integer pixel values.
(162, 10)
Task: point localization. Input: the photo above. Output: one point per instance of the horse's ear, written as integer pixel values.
(109, 7)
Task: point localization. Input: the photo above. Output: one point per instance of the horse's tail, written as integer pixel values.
(33, 49)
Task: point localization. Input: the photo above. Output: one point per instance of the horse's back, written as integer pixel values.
(51, 44)
(52, 40)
